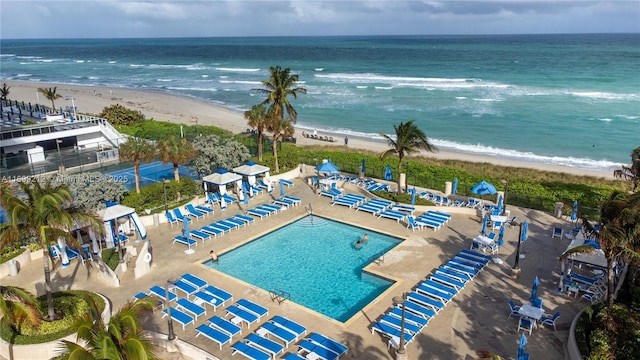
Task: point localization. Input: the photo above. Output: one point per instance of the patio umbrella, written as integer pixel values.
(574, 213)
(485, 222)
(523, 235)
(363, 167)
(413, 196)
(186, 233)
(281, 189)
(454, 187)
(521, 345)
(534, 288)
(245, 199)
(483, 188)
(501, 236)
(327, 167)
(388, 174)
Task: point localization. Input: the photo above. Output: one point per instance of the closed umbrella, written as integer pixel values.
(483, 188)
(186, 233)
(281, 189)
(485, 222)
(413, 196)
(574, 213)
(501, 236)
(388, 174)
(363, 167)
(534, 288)
(500, 205)
(521, 344)
(454, 187)
(245, 199)
(525, 228)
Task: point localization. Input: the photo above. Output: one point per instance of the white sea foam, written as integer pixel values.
(236, 69)
(604, 95)
(461, 97)
(383, 87)
(361, 86)
(204, 75)
(112, 62)
(240, 82)
(628, 117)
(165, 80)
(78, 61)
(28, 57)
(93, 78)
(7, 55)
(318, 69)
(23, 75)
(178, 88)
(605, 119)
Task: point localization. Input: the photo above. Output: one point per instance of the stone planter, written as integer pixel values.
(22, 260)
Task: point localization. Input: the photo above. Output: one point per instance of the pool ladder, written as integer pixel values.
(378, 258)
(279, 295)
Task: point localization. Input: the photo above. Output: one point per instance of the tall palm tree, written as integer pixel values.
(279, 87)
(51, 94)
(18, 305)
(280, 128)
(408, 139)
(630, 172)
(123, 338)
(4, 92)
(137, 150)
(258, 119)
(45, 213)
(618, 234)
(176, 151)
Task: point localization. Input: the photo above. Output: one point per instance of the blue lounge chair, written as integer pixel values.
(466, 263)
(409, 317)
(229, 224)
(294, 356)
(71, 254)
(452, 273)
(180, 317)
(350, 203)
(262, 185)
(225, 326)
(219, 293)
(264, 344)
(178, 215)
(245, 218)
(283, 202)
(257, 212)
(159, 292)
(412, 224)
(204, 209)
(202, 297)
(284, 335)
(418, 310)
(249, 351)
(436, 294)
(424, 300)
(213, 334)
(185, 287)
(170, 218)
(406, 208)
(471, 258)
(191, 211)
(293, 198)
(289, 325)
(391, 332)
(222, 226)
(185, 241)
(434, 224)
(475, 255)
(441, 287)
(212, 230)
(201, 235)
(286, 182)
(243, 315)
(229, 199)
(390, 214)
(331, 193)
(191, 307)
(392, 321)
(383, 202)
(461, 269)
(253, 308)
(319, 352)
(239, 223)
(447, 280)
(275, 208)
(372, 208)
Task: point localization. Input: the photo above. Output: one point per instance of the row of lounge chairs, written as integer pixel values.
(431, 219)
(429, 297)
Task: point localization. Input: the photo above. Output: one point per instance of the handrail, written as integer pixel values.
(279, 295)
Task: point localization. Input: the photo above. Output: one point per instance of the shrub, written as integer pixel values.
(110, 257)
(156, 130)
(9, 253)
(120, 115)
(152, 196)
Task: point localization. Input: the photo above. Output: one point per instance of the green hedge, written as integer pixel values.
(157, 130)
(152, 196)
(9, 253)
(70, 305)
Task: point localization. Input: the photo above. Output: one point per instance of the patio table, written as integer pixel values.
(531, 312)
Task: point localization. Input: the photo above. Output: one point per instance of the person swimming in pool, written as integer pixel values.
(213, 256)
(358, 244)
(365, 238)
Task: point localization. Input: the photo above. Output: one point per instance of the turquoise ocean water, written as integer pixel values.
(559, 99)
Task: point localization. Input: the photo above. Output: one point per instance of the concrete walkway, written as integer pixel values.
(475, 319)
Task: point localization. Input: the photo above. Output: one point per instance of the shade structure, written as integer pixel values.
(534, 288)
(222, 177)
(454, 186)
(483, 188)
(388, 174)
(485, 222)
(327, 167)
(501, 236)
(250, 169)
(525, 228)
(574, 213)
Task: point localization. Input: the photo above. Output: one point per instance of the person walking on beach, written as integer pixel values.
(346, 140)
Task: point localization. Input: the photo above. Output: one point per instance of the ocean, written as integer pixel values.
(569, 100)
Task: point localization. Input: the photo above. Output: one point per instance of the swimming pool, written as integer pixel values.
(151, 173)
(313, 259)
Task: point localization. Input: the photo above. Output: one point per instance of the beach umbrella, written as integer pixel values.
(485, 222)
(574, 213)
(413, 196)
(525, 228)
(483, 188)
(245, 199)
(363, 166)
(327, 167)
(521, 345)
(500, 205)
(534, 288)
(501, 236)
(281, 189)
(388, 174)
(454, 187)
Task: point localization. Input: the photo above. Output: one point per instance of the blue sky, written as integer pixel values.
(119, 18)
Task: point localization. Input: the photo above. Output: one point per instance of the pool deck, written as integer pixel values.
(475, 319)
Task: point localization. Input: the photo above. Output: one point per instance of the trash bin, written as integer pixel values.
(13, 267)
(558, 210)
(156, 220)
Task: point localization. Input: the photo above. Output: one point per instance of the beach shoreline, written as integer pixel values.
(163, 106)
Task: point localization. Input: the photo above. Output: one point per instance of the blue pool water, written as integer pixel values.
(314, 260)
(151, 173)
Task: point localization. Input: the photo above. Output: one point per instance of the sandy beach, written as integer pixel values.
(178, 109)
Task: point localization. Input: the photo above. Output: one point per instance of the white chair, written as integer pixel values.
(514, 309)
(525, 324)
(557, 232)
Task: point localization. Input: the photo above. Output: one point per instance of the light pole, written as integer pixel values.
(171, 335)
(61, 167)
(401, 353)
(504, 199)
(117, 234)
(164, 189)
(517, 261)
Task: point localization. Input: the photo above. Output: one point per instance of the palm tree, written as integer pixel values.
(18, 305)
(618, 234)
(4, 92)
(51, 94)
(122, 338)
(409, 139)
(630, 172)
(136, 150)
(257, 119)
(45, 213)
(281, 129)
(176, 151)
(278, 88)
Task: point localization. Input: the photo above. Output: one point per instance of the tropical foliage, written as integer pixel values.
(4, 92)
(280, 128)
(409, 139)
(92, 190)
(51, 94)
(137, 150)
(120, 115)
(122, 338)
(631, 172)
(279, 87)
(177, 151)
(157, 130)
(17, 305)
(151, 197)
(258, 119)
(218, 153)
(46, 213)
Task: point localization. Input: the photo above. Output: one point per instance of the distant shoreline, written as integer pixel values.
(162, 106)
